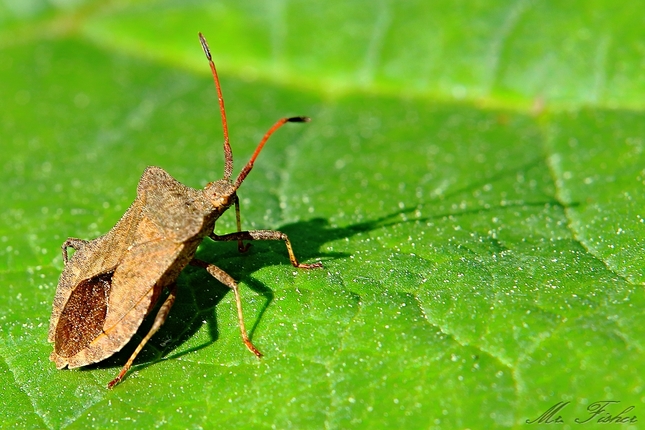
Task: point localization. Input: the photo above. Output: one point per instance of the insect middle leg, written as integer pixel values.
(227, 280)
(264, 235)
(156, 325)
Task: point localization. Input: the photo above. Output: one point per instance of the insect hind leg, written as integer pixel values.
(156, 325)
(73, 243)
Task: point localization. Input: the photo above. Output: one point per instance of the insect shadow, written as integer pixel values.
(198, 294)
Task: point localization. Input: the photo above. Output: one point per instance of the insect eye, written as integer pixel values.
(220, 200)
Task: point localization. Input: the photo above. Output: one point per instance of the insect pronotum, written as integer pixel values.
(110, 284)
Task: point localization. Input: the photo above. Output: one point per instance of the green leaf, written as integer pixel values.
(472, 181)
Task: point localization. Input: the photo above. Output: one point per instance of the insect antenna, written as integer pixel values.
(245, 171)
(228, 154)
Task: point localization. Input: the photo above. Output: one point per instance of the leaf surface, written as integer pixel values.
(472, 181)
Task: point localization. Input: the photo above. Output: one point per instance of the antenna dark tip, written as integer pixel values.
(207, 51)
(299, 119)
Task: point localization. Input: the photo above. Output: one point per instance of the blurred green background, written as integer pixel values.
(472, 181)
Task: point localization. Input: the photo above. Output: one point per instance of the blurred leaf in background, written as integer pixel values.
(472, 180)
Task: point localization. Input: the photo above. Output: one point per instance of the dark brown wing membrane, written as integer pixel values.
(82, 319)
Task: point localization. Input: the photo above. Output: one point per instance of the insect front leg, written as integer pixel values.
(240, 245)
(156, 325)
(264, 235)
(227, 280)
(73, 243)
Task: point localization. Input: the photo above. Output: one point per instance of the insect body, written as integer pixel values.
(111, 283)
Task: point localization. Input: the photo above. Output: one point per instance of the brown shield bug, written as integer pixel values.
(110, 284)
